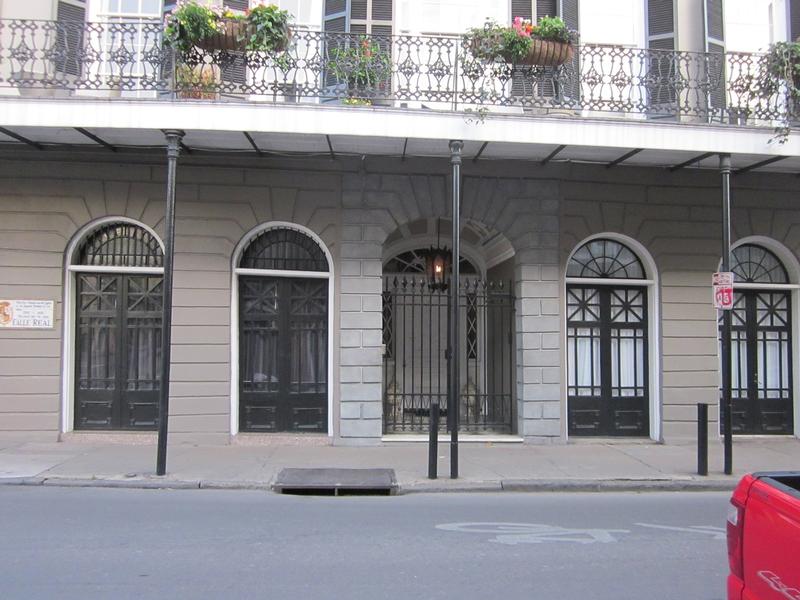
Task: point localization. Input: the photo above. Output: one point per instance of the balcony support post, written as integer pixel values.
(455, 287)
(726, 405)
(174, 138)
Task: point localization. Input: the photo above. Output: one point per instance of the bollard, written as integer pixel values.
(702, 439)
(433, 441)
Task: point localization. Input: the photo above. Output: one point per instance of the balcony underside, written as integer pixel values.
(314, 130)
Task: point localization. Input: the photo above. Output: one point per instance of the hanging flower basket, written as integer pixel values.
(233, 36)
(546, 53)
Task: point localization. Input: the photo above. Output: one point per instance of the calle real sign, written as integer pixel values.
(722, 282)
(26, 314)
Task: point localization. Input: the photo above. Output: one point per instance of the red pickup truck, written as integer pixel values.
(764, 537)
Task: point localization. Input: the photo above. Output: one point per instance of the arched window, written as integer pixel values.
(283, 333)
(118, 328)
(284, 249)
(607, 335)
(756, 264)
(761, 343)
(121, 244)
(607, 259)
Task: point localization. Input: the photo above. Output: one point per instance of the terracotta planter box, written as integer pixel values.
(542, 53)
(234, 37)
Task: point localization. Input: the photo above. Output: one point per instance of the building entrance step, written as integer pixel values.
(336, 482)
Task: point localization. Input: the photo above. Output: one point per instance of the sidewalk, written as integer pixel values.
(586, 466)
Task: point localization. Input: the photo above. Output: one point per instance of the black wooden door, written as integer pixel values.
(761, 370)
(607, 359)
(118, 350)
(283, 354)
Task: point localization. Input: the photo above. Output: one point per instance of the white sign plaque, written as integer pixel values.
(26, 314)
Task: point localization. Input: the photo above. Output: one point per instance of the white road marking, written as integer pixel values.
(717, 533)
(535, 533)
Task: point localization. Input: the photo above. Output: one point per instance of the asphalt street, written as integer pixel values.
(87, 543)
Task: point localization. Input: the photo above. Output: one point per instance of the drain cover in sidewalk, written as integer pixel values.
(334, 482)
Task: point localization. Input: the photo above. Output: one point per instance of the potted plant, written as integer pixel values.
(548, 43)
(196, 82)
(779, 77)
(362, 66)
(263, 28)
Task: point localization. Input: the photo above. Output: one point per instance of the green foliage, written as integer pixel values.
(511, 44)
(189, 23)
(779, 76)
(269, 28)
(360, 63)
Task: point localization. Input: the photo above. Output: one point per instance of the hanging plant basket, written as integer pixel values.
(233, 37)
(545, 53)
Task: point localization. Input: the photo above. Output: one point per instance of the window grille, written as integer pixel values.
(607, 259)
(284, 249)
(121, 245)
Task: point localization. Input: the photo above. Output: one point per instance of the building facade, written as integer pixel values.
(306, 228)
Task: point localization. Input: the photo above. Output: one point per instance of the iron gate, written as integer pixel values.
(415, 374)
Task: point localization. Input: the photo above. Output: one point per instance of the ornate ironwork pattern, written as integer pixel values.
(65, 57)
(48, 57)
(606, 259)
(415, 322)
(121, 245)
(284, 249)
(756, 264)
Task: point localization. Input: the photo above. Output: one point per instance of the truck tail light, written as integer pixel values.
(736, 538)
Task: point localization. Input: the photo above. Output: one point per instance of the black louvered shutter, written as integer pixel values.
(71, 17)
(715, 48)
(794, 20)
(570, 75)
(358, 9)
(522, 8)
(661, 65)
(382, 10)
(335, 18)
(241, 5)
(546, 8)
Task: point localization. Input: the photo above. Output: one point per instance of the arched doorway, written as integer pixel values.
(607, 341)
(761, 343)
(118, 270)
(283, 295)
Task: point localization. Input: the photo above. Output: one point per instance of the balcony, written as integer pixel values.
(130, 60)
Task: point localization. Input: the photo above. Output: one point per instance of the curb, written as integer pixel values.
(419, 487)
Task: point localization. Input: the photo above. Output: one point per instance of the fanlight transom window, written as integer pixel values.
(756, 264)
(284, 249)
(608, 259)
(121, 244)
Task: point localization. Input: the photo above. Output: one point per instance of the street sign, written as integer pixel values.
(723, 290)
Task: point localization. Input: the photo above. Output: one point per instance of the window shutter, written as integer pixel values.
(335, 18)
(569, 12)
(661, 24)
(794, 20)
(715, 44)
(522, 8)
(241, 5)
(382, 10)
(546, 8)
(71, 17)
(358, 9)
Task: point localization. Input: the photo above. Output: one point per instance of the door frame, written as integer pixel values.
(236, 271)
(69, 302)
(792, 266)
(654, 365)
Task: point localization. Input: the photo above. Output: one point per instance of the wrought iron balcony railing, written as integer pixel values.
(130, 59)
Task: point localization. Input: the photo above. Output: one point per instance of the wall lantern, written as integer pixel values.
(437, 264)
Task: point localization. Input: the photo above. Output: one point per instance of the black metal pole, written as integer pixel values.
(455, 288)
(702, 438)
(173, 150)
(727, 423)
(433, 441)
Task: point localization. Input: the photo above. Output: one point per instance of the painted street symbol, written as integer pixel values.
(717, 533)
(535, 533)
